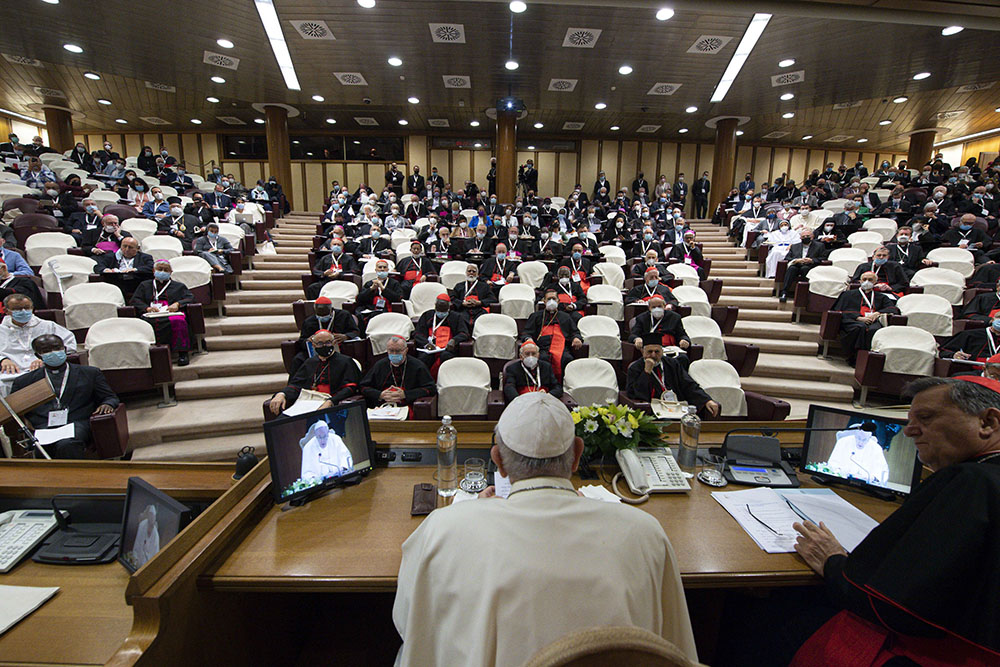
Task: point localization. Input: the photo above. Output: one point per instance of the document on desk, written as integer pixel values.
(767, 515)
(17, 602)
(302, 407)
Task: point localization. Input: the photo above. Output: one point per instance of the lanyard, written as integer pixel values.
(654, 324)
(903, 251)
(62, 389)
(163, 289)
(469, 288)
(319, 374)
(7, 280)
(869, 300)
(536, 379)
(992, 342)
(435, 325)
(659, 378)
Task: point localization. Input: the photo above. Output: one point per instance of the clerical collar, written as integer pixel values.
(540, 483)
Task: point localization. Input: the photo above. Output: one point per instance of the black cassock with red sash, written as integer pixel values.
(553, 333)
(980, 344)
(519, 380)
(438, 329)
(412, 270)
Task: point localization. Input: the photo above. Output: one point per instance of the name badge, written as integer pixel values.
(58, 417)
(576, 277)
(380, 302)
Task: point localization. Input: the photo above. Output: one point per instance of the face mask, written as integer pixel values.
(158, 196)
(216, 171)
(551, 305)
(938, 195)
(828, 228)
(564, 281)
(647, 237)
(376, 234)
(545, 236)
(395, 359)
(530, 363)
(164, 153)
(176, 212)
(783, 228)
(879, 261)
(996, 325)
(149, 153)
(679, 228)
(91, 208)
(336, 250)
(20, 316)
(965, 228)
(52, 193)
(107, 147)
(867, 286)
(225, 182)
(162, 276)
(917, 227)
(54, 359)
(109, 229)
(652, 282)
(213, 235)
(903, 240)
(657, 312)
(493, 200)
(81, 149)
(382, 274)
(323, 350)
(239, 207)
(645, 214)
(481, 234)
(463, 225)
(501, 256)
(512, 237)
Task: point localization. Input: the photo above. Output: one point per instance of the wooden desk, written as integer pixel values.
(350, 540)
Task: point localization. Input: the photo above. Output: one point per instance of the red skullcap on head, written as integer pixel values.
(323, 301)
(443, 296)
(992, 385)
(652, 268)
(995, 359)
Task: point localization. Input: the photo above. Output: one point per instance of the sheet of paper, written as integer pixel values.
(388, 413)
(764, 515)
(302, 407)
(46, 436)
(848, 524)
(162, 313)
(502, 484)
(16, 602)
(598, 492)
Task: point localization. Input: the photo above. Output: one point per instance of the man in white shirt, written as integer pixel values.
(325, 454)
(17, 330)
(858, 454)
(492, 581)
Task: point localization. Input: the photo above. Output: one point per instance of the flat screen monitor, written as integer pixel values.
(151, 520)
(318, 449)
(860, 449)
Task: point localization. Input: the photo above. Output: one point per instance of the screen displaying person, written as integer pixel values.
(858, 454)
(147, 537)
(324, 454)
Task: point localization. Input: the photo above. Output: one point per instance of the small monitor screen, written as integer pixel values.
(860, 448)
(318, 448)
(152, 519)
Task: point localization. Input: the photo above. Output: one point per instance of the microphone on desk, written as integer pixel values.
(861, 466)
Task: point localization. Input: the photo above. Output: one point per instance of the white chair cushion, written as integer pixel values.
(828, 280)
(721, 381)
(956, 259)
(42, 245)
(140, 228)
(422, 298)
(87, 303)
(162, 247)
(384, 326)
(688, 275)
(452, 273)
(192, 271)
(517, 300)
(695, 297)
(613, 254)
(494, 336)
(705, 331)
(603, 336)
(463, 387)
(907, 350)
(612, 274)
(590, 381)
(929, 312)
(121, 342)
(848, 259)
(232, 233)
(867, 241)
(947, 283)
(532, 273)
(608, 299)
(886, 227)
(339, 292)
(72, 270)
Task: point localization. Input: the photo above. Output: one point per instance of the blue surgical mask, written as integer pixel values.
(21, 316)
(91, 209)
(213, 235)
(382, 274)
(162, 276)
(501, 256)
(54, 359)
(652, 283)
(879, 261)
(395, 359)
(140, 188)
(965, 228)
(648, 237)
(996, 325)
(324, 318)
(336, 250)
(577, 255)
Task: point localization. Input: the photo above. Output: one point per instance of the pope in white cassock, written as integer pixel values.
(325, 454)
(858, 454)
(147, 537)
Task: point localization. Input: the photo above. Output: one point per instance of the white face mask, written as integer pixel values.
(564, 281)
(551, 304)
(530, 363)
(867, 286)
(657, 312)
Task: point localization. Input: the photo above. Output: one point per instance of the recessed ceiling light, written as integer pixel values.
(625, 69)
(531, 148)
(196, 121)
(787, 62)
(93, 76)
(103, 101)
(747, 43)
(885, 122)
(807, 137)
(787, 96)
(224, 43)
(309, 154)
(539, 126)
(213, 100)
(511, 65)
(739, 133)
(664, 14)
(615, 128)
(121, 120)
(683, 130)
(259, 121)
(600, 106)
(790, 114)
(394, 61)
(474, 123)
(952, 30)
(413, 100)
(296, 142)
(73, 48)
(51, 2)
(276, 40)
(477, 145)
(517, 6)
(242, 141)
(403, 121)
(920, 76)
(218, 79)
(691, 109)
(900, 99)
(367, 4)
(331, 121)
(862, 141)
(318, 98)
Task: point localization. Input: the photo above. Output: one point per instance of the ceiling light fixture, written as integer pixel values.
(218, 79)
(920, 76)
(885, 122)
(331, 121)
(318, 98)
(394, 61)
(900, 99)
(518, 6)
(196, 121)
(51, 2)
(615, 128)
(691, 109)
(103, 101)
(93, 76)
(14, 114)
(531, 148)
(73, 48)
(121, 120)
(787, 96)
(225, 43)
(790, 114)
(862, 141)
(600, 106)
(952, 30)
(539, 126)
(625, 69)
(683, 130)
(477, 145)
(213, 100)
(739, 133)
(664, 14)
(958, 140)
(367, 4)
(787, 62)
(807, 137)
(474, 123)
(403, 121)
(511, 65)
(750, 37)
(259, 121)
(413, 100)
(272, 26)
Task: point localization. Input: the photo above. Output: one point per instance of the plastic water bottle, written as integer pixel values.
(687, 454)
(447, 441)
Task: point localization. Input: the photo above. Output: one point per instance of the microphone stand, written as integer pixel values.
(29, 442)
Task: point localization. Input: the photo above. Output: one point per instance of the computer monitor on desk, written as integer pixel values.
(317, 450)
(151, 520)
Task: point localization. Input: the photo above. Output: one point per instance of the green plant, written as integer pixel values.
(608, 428)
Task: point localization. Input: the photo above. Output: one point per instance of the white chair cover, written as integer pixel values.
(608, 299)
(48, 158)
(532, 273)
(463, 385)
(120, 342)
(695, 297)
(72, 270)
(722, 383)
(65, 172)
(867, 241)
(612, 273)
(603, 336)
(422, 298)
(835, 205)
(827, 280)
(368, 272)
(232, 233)
(132, 161)
(384, 326)
(402, 237)
(884, 194)
(191, 270)
(705, 331)
(402, 252)
(169, 191)
(886, 227)
(517, 300)
(494, 337)
(42, 245)
(87, 303)
(103, 197)
(613, 254)
(688, 275)
(340, 292)
(929, 312)
(871, 180)
(140, 228)
(956, 259)
(15, 190)
(944, 282)
(848, 259)
(162, 246)
(452, 273)
(558, 202)
(907, 350)
(590, 381)
(7, 177)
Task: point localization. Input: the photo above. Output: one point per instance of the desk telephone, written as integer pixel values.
(646, 471)
(20, 532)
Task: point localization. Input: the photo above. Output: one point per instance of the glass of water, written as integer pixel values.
(475, 475)
(712, 469)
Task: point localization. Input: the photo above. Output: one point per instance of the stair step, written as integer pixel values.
(229, 363)
(289, 250)
(742, 280)
(769, 330)
(272, 274)
(256, 285)
(216, 449)
(293, 242)
(209, 417)
(819, 370)
(228, 386)
(237, 309)
(267, 296)
(733, 264)
(780, 346)
(246, 341)
(748, 302)
(255, 324)
(286, 264)
(730, 289)
(760, 314)
(782, 387)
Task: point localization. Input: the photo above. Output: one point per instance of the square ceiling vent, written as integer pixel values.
(154, 120)
(49, 92)
(572, 125)
(840, 137)
(231, 120)
(447, 33)
(847, 105)
(787, 78)
(162, 87)
(22, 60)
(774, 135)
(945, 115)
(968, 88)
(649, 129)
(365, 120)
(351, 78)
(313, 29)
(563, 85)
(581, 38)
(709, 44)
(456, 81)
(664, 89)
(220, 60)
(438, 122)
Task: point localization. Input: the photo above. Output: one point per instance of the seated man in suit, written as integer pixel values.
(338, 322)
(81, 391)
(333, 266)
(889, 275)
(80, 221)
(378, 294)
(328, 375)
(896, 207)
(650, 287)
(532, 374)
(180, 180)
(12, 284)
(656, 376)
(214, 249)
(499, 269)
(571, 296)
(983, 307)
(125, 268)
(664, 321)
(968, 237)
(554, 331)
(802, 258)
(548, 245)
(219, 201)
(909, 255)
(861, 309)
(162, 294)
(397, 379)
(414, 269)
(158, 208)
(646, 244)
(974, 344)
(104, 239)
(182, 226)
(579, 266)
(472, 297)
(980, 206)
(439, 329)
(376, 244)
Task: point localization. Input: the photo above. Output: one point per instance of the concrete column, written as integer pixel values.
(723, 162)
(506, 154)
(279, 159)
(921, 148)
(59, 123)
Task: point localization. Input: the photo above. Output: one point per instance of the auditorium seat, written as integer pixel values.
(422, 298)
(820, 290)
(42, 245)
(494, 336)
(517, 300)
(886, 227)
(848, 259)
(898, 355)
(61, 272)
(608, 300)
(88, 303)
(340, 292)
(463, 386)
(947, 283)
(834, 205)
(16, 206)
(401, 237)
(453, 273)
(602, 336)
(28, 224)
(613, 254)
(929, 312)
(122, 211)
(368, 270)
(722, 383)
(590, 382)
(384, 326)
(956, 259)
(162, 246)
(103, 197)
(686, 274)
(125, 350)
(611, 274)
(534, 274)
(140, 228)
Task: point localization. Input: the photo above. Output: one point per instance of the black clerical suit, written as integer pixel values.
(172, 292)
(641, 293)
(86, 389)
(536, 328)
(411, 376)
(411, 269)
(854, 334)
(394, 179)
(817, 251)
(371, 300)
(338, 373)
(982, 307)
(186, 224)
(368, 246)
(571, 297)
(344, 262)
(980, 344)
(77, 223)
(439, 329)
(519, 380)
(480, 291)
(701, 189)
(126, 282)
(643, 386)
(677, 256)
(954, 236)
(13, 284)
(890, 273)
(910, 257)
(669, 326)
(680, 193)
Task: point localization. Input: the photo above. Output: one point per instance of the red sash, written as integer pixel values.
(566, 298)
(993, 313)
(413, 274)
(584, 280)
(865, 310)
(529, 388)
(557, 344)
(324, 388)
(440, 336)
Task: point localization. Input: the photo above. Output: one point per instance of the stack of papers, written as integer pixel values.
(388, 413)
(598, 492)
(16, 602)
(767, 515)
(302, 407)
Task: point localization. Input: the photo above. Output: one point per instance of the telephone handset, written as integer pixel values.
(646, 471)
